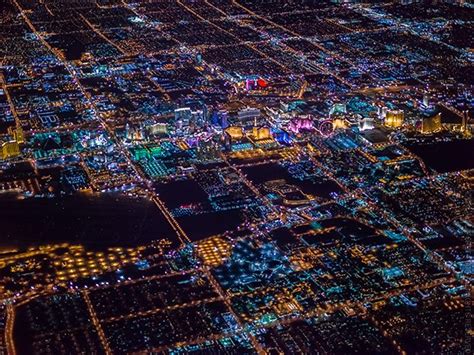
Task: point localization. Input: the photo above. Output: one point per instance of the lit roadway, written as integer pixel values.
(10, 321)
(96, 322)
(388, 217)
(264, 55)
(370, 13)
(227, 301)
(180, 233)
(222, 295)
(9, 100)
(359, 194)
(101, 35)
(317, 45)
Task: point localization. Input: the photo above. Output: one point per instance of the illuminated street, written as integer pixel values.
(236, 177)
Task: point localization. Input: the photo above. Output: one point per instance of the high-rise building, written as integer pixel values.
(182, 116)
(426, 100)
(465, 119)
(248, 114)
(158, 128)
(260, 133)
(17, 134)
(235, 132)
(431, 124)
(224, 118)
(185, 117)
(382, 112)
(9, 149)
(338, 108)
(394, 118)
(366, 124)
(339, 123)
